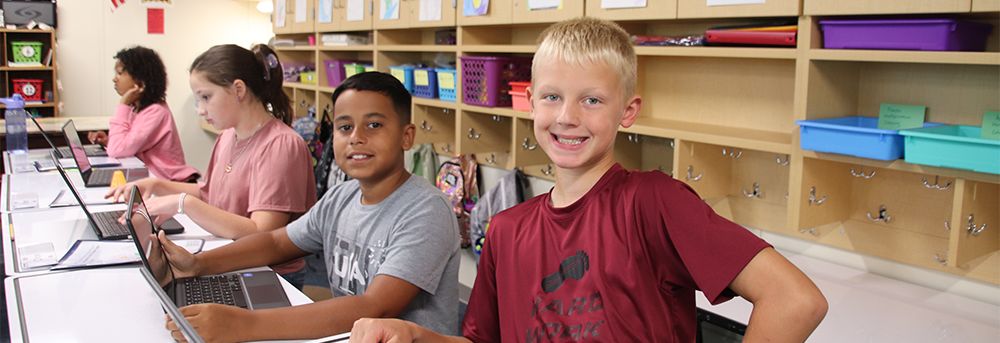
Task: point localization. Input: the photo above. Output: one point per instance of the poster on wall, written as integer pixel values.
(156, 3)
(325, 11)
(475, 7)
(623, 3)
(430, 10)
(389, 10)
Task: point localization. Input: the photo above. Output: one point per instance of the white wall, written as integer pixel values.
(89, 35)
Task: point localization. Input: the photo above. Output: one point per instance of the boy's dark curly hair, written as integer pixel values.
(146, 68)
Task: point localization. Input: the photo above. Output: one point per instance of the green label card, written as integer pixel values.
(899, 117)
(991, 125)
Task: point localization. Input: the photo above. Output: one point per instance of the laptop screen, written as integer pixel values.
(72, 189)
(73, 140)
(42, 131)
(140, 226)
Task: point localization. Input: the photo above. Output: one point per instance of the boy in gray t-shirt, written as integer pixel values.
(390, 239)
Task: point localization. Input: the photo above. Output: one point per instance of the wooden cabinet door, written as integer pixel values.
(655, 9)
(521, 13)
(985, 5)
(367, 8)
(498, 13)
(308, 8)
(283, 17)
(770, 8)
(401, 21)
(448, 9)
(331, 7)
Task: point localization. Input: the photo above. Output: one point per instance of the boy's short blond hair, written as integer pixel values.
(590, 40)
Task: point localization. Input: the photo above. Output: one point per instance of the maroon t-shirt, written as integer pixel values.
(619, 265)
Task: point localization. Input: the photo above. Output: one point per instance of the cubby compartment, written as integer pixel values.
(898, 215)
(330, 66)
(426, 38)
(505, 38)
(975, 230)
(526, 150)
(644, 153)
(487, 136)
(746, 186)
(385, 59)
(435, 125)
(303, 100)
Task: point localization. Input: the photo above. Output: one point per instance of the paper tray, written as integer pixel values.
(953, 146)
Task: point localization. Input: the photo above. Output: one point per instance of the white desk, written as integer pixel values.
(44, 187)
(873, 309)
(113, 304)
(40, 155)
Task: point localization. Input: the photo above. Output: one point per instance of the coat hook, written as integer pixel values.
(938, 258)
(811, 230)
(731, 152)
(783, 163)
(812, 197)
(691, 171)
(497, 118)
(634, 138)
(881, 215)
(972, 227)
(936, 185)
(946, 227)
(424, 126)
(671, 144)
(327, 107)
(474, 136)
(492, 159)
(660, 168)
(446, 148)
(547, 172)
(756, 191)
(303, 104)
(862, 174)
(528, 147)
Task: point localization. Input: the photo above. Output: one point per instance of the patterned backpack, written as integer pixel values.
(458, 179)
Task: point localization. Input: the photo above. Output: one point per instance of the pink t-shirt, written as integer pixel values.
(273, 174)
(150, 135)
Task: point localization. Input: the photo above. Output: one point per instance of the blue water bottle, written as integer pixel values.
(17, 131)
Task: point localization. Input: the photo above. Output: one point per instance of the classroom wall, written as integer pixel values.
(89, 34)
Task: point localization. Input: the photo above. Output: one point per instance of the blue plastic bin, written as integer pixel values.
(430, 89)
(953, 146)
(446, 89)
(856, 136)
(405, 76)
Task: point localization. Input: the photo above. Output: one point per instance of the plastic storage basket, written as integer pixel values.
(404, 75)
(519, 96)
(953, 146)
(335, 71)
(904, 34)
(485, 79)
(353, 68)
(30, 89)
(446, 84)
(425, 82)
(856, 136)
(26, 52)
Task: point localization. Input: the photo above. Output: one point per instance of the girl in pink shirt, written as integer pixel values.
(143, 125)
(260, 175)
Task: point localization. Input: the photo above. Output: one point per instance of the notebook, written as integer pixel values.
(65, 152)
(251, 290)
(96, 177)
(105, 224)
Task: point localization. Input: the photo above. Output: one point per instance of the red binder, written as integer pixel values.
(751, 37)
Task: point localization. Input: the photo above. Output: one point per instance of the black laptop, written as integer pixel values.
(95, 177)
(251, 290)
(64, 152)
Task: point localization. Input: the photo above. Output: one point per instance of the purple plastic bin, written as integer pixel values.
(335, 71)
(905, 34)
(485, 79)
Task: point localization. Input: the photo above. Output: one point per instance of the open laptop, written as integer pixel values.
(105, 224)
(64, 152)
(95, 177)
(251, 290)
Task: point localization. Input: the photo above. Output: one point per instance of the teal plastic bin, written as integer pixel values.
(952, 146)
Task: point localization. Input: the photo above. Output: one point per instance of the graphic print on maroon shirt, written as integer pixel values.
(575, 318)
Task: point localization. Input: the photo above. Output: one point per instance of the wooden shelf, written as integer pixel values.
(501, 49)
(346, 48)
(901, 164)
(706, 51)
(42, 105)
(418, 48)
(300, 85)
(898, 56)
(295, 48)
(45, 68)
(500, 111)
(714, 134)
(434, 103)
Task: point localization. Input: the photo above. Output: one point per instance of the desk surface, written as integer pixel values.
(865, 307)
(55, 124)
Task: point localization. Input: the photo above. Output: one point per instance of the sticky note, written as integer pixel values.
(420, 78)
(446, 80)
(991, 125)
(400, 74)
(899, 117)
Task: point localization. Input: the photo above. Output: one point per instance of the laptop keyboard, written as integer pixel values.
(64, 152)
(219, 289)
(108, 223)
(101, 176)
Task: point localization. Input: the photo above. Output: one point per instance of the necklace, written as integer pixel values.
(232, 160)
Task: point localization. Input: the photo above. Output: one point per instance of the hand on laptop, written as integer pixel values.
(214, 322)
(119, 193)
(184, 263)
(98, 137)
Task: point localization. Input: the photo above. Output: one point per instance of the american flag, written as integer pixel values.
(115, 4)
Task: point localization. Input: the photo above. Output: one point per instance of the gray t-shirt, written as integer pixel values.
(411, 235)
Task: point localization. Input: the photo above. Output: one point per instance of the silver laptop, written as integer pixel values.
(250, 290)
(93, 150)
(95, 177)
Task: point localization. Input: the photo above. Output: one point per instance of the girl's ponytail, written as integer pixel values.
(272, 94)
